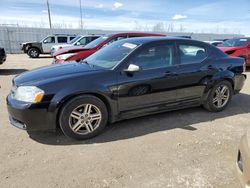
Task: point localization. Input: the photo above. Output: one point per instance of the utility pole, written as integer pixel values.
(49, 14)
(81, 14)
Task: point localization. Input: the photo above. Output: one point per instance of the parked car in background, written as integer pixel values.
(243, 160)
(129, 78)
(79, 53)
(80, 40)
(237, 47)
(2, 56)
(34, 49)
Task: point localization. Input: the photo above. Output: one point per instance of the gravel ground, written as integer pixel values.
(187, 148)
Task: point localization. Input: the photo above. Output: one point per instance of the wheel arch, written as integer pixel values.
(30, 47)
(66, 99)
(209, 82)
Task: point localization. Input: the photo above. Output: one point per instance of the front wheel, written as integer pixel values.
(83, 117)
(219, 97)
(33, 52)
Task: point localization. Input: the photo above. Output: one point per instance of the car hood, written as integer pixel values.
(72, 49)
(52, 72)
(30, 42)
(225, 49)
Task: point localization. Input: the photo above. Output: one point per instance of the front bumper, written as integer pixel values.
(243, 162)
(30, 117)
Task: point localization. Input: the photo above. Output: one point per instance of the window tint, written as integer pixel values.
(62, 39)
(192, 54)
(71, 38)
(49, 40)
(154, 57)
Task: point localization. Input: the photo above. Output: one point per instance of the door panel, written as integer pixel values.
(146, 88)
(194, 67)
(154, 84)
(48, 43)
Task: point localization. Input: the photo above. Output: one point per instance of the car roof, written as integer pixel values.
(135, 33)
(63, 34)
(144, 40)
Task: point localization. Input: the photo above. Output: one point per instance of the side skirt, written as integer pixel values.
(159, 109)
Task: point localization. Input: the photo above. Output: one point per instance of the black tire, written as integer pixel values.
(209, 103)
(66, 112)
(33, 52)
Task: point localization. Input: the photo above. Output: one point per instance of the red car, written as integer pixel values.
(79, 53)
(237, 47)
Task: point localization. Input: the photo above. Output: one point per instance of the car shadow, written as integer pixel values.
(7, 72)
(182, 119)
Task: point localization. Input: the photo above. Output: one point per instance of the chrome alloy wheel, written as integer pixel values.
(85, 119)
(221, 96)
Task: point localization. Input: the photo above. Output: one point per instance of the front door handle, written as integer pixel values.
(170, 73)
(210, 67)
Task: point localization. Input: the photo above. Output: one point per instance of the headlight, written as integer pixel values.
(65, 56)
(30, 94)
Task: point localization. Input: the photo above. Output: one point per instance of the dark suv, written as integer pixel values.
(2, 56)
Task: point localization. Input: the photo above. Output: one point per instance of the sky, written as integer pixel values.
(205, 16)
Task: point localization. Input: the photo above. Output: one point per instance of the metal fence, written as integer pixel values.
(11, 37)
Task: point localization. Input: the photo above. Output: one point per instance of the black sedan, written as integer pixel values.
(130, 78)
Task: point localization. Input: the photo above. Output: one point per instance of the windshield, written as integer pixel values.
(111, 55)
(235, 42)
(74, 40)
(96, 42)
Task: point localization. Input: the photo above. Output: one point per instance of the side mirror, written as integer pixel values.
(78, 44)
(45, 41)
(132, 68)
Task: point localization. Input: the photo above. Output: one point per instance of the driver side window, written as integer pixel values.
(49, 40)
(153, 57)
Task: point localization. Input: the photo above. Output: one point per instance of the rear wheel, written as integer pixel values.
(83, 117)
(219, 97)
(33, 52)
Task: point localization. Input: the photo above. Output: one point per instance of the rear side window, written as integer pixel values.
(190, 54)
(71, 38)
(62, 39)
